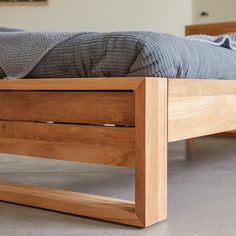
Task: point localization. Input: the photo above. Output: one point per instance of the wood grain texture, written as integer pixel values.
(122, 83)
(93, 144)
(200, 87)
(75, 107)
(211, 29)
(214, 29)
(200, 108)
(104, 208)
(151, 150)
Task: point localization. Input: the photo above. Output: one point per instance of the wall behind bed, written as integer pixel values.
(100, 15)
(218, 10)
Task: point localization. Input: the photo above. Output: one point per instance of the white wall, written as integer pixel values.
(219, 10)
(101, 15)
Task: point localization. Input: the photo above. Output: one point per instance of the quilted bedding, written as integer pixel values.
(115, 54)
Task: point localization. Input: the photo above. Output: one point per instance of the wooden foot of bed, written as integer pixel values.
(138, 106)
(151, 151)
(112, 121)
(93, 206)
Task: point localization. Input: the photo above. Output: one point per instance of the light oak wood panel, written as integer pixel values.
(200, 108)
(151, 150)
(211, 29)
(123, 83)
(104, 208)
(200, 87)
(67, 106)
(94, 144)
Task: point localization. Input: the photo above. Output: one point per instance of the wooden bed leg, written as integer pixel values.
(190, 148)
(151, 151)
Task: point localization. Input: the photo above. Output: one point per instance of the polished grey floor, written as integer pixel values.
(202, 194)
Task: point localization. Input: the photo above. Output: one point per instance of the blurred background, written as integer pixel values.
(111, 15)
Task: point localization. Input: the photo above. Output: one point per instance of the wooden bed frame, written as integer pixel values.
(61, 119)
(210, 29)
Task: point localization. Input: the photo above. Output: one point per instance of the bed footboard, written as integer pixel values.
(114, 121)
(121, 122)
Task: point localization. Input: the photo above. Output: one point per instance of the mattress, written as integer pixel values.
(128, 54)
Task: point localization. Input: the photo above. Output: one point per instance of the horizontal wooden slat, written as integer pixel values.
(93, 144)
(75, 107)
(211, 29)
(123, 83)
(109, 209)
(200, 108)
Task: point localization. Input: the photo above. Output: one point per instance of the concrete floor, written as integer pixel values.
(202, 194)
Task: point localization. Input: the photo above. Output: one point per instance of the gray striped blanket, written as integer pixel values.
(63, 54)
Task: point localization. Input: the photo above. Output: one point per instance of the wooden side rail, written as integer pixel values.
(210, 29)
(147, 114)
(200, 107)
